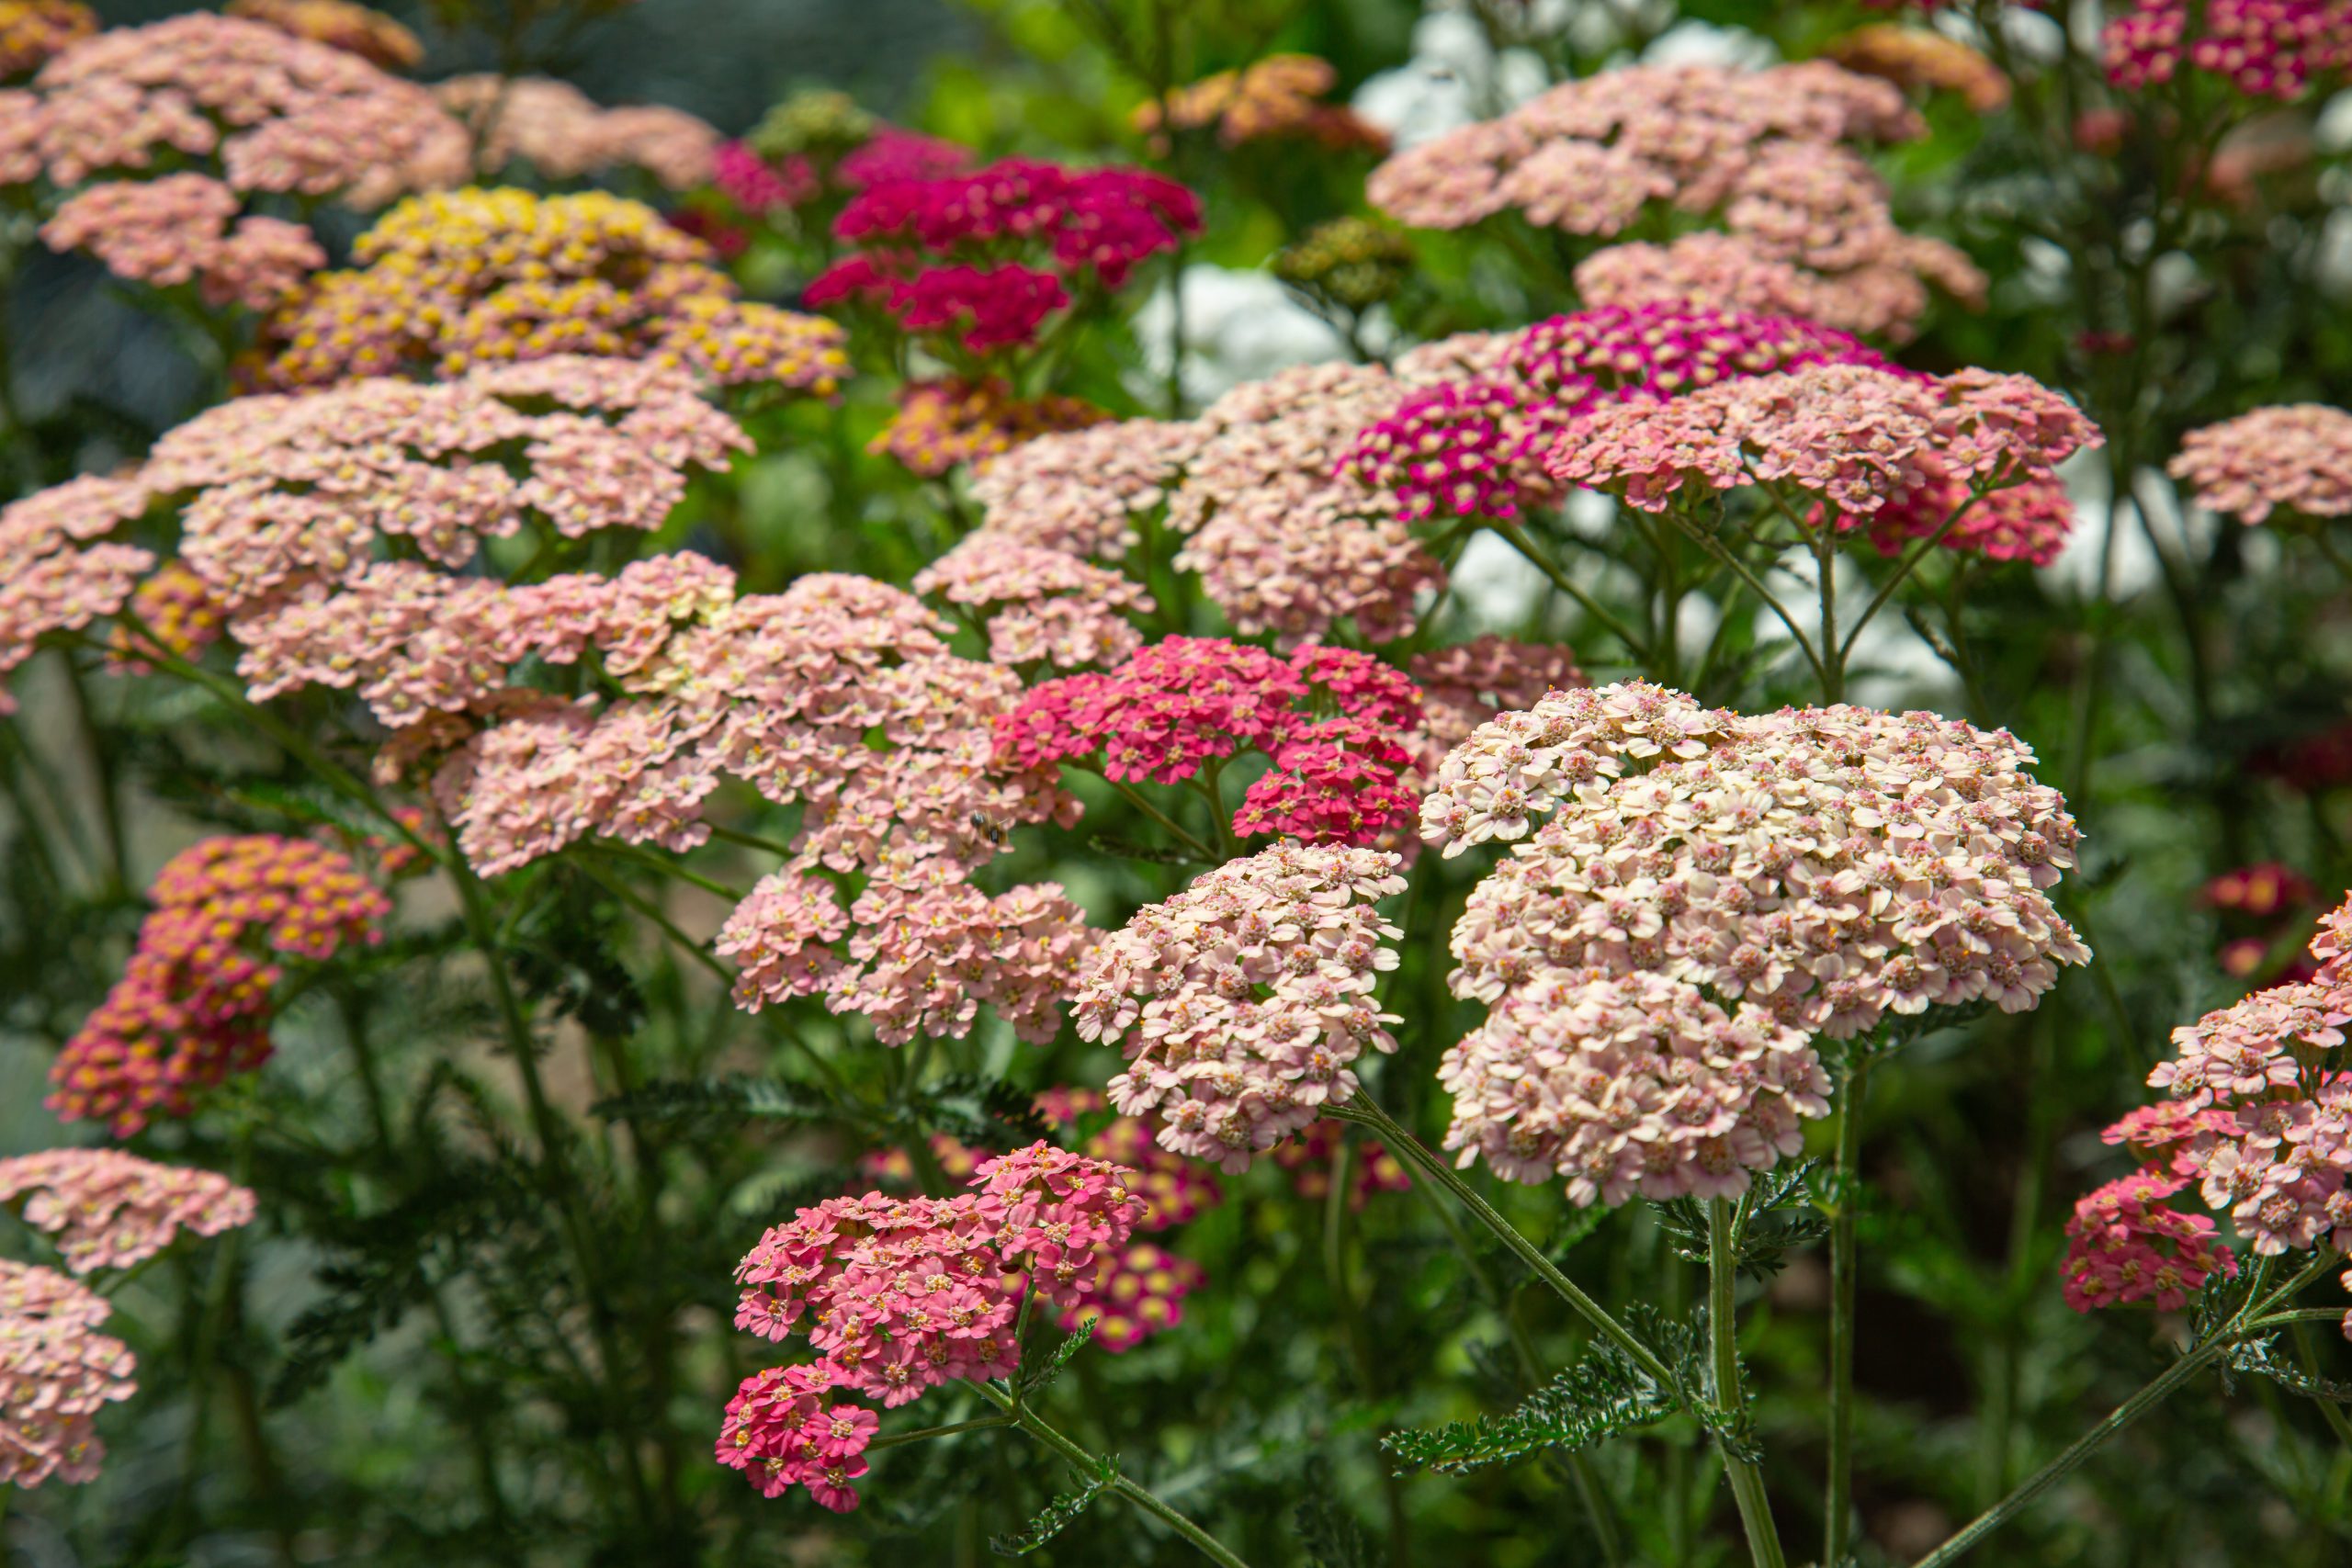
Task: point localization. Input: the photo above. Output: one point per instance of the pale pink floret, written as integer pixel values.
(1039, 604)
(1830, 865)
(184, 228)
(106, 1208)
(1242, 1002)
(56, 1372)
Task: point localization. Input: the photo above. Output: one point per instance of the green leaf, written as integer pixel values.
(2260, 1358)
(1055, 1516)
(738, 1097)
(1600, 1396)
(1327, 1532)
(1072, 1342)
(986, 1113)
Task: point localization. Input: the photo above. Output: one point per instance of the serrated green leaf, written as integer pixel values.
(1327, 1532)
(1600, 1396)
(1072, 1342)
(740, 1097)
(1055, 1516)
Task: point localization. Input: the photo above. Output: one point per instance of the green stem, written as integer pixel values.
(1087, 1465)
(900, 1439)
(1723, 1339)
(668, 868)
(1755, 585)
(2249, 1319)
(1904, 567)
(2332, 1413)
(1844, 1247)
(751, 841)
(1361, 1109)
(669, 928)
(1135, 798)
(1516, 537)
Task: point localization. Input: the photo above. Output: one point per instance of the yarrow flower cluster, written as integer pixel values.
(936, 252)
(1763, 148)
(56, 1372)
(185, 229)
(1466, 685)
(1186, 704)
(454, 280)
(818, 148)
(1243, 1001)
(1829, 865)
(194, 1003)
(948, 423)
(897, 1295)
(1039, 604)
(1275, 97)
(1921, 56)
(277, 113)
(557, 131)
(1849, 437)
(2268, 49)
(1630, 1083)
(106, 1208)
(2123, 1246)
(1351, 262)
(338, 24)
(1313, 1155)
(2295, 459)
(2264, 904)
(32, 30)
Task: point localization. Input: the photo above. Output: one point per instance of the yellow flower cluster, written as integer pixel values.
(943, 424)
(32, 30)
(338, 24)
(454, 279)
(1915, 57)
(1353, 262)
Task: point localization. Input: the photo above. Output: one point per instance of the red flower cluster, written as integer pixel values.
(996, 250)
(1330, 719)
(193, 1005)
(899, 1294)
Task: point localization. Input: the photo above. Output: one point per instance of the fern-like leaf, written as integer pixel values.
(1072, 1342)
(1055, 1517)
(739, 1098)
(1327, 1532)
(1600, 1396)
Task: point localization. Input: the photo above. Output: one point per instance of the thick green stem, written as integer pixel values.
(1838, 1501)
(1087, 1465)
(1723, 1343)
(1362, 1110)
(1516, 537)
(2250, 1319)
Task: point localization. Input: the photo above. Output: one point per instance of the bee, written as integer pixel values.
(996, 830)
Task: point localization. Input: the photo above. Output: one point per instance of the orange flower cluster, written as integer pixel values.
(1278, 97)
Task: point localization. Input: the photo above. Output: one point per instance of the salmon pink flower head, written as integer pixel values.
(897, 1295)
(1242, 1002)
(1849, 436)
(553, 129)
(1464, 686)
(106, 1208)
(1829, 865)
(1630, 1084)
(184, 228)
(1182, 704)
(2294, 459)
(2266, 1106)
(56, 1372)
(950, 423)
(193, 1005)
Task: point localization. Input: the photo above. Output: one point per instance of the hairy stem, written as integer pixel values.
(1722, 1342)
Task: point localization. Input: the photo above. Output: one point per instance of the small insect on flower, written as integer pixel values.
(996, 830)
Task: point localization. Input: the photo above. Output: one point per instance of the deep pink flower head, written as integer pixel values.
(1243, 1001)
(2261, 891)
(1180, 705)
(193, 1004)
(1444, 452)
(2268, 49)
(1139, 1294)
(106, 1208)
(1310, 1156)
(2027, 521)
(897, 1295)
(56, 1372)
(757, 185)
(896, 154)
(1095, 223)
(2123, 1246)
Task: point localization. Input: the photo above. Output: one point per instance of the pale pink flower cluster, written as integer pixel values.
(2295, 459)
(183, 229)
(1851, 436)
(926, 948)
(1829, 865)
(1466, 685)
(1884, 296)
(1282, 542)
(1807, 219)
(56, 1372)
(106, 1208)
(57, 572)
(1630, 1083)
(279, 113)
(1247, 996)
(564, 134)
(898, 1295)
(1039, 604)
